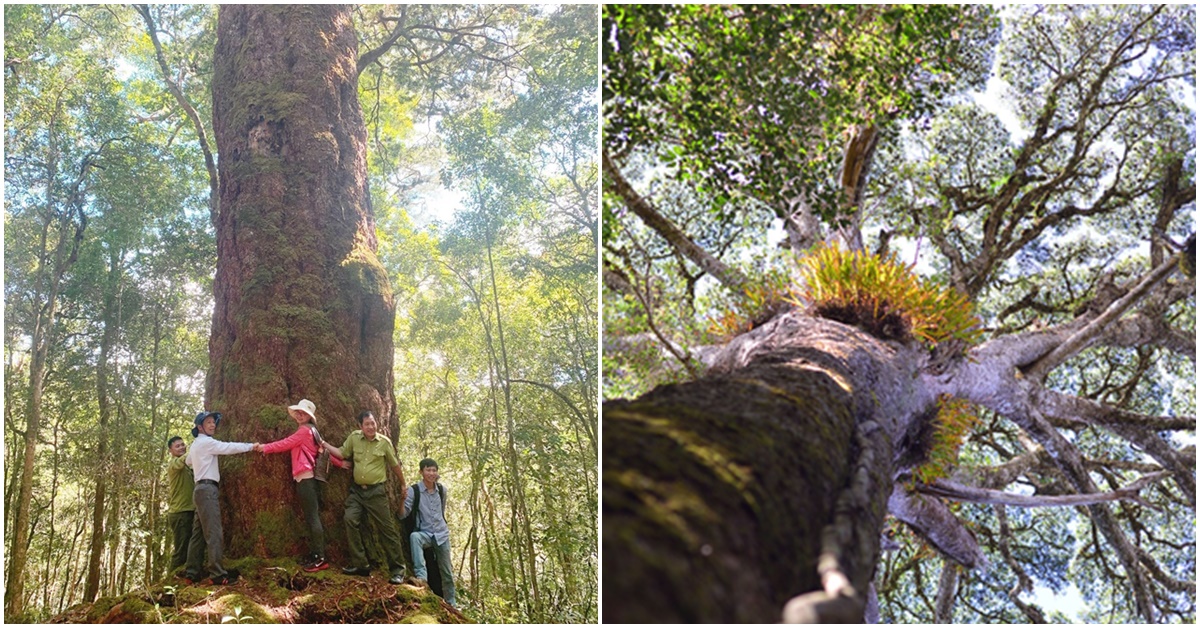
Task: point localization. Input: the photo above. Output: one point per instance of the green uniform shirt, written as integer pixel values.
(372, 459)
(179, 482)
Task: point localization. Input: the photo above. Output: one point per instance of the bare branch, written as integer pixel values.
(963, 493)
(667, 229)
(210, 162)
(1081, 338)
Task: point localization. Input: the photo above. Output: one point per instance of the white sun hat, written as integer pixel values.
(305, 406)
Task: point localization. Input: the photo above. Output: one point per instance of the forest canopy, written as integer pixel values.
(1039, 161)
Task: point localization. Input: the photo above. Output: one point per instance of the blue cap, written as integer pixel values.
(200, 419)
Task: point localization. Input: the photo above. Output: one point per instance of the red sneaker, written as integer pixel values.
(317, 565)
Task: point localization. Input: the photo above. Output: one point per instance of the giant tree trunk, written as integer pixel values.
(717, 492)
(303, 306)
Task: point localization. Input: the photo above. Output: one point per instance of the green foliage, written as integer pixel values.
(756, 98)
(761, 300)
(883, 297)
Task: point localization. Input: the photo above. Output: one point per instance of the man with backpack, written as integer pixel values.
(426, 504)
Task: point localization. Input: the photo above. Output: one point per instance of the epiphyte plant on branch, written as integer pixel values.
(883, 297)
(1048, 447)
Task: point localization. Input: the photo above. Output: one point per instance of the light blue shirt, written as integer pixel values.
(429, 514)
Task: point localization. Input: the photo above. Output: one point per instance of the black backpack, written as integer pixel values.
(321, 462)
(409, 524)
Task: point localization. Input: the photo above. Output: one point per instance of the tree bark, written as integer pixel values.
(303, 306)
(717, 493)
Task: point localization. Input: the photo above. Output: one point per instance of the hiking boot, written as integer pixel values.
(356, 571)
(317, 565)
(308, 559)
(228, 578)
(397, 578)
(192, 578)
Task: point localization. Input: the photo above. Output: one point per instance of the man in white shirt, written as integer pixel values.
(206, 527)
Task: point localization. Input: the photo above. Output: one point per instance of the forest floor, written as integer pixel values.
(272, 591)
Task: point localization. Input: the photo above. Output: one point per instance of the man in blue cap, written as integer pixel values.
(206, 527)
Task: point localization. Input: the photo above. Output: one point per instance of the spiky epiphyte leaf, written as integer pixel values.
(954, 421)
(883, 297)
(760, 301)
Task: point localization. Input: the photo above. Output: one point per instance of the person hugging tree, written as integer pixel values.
(304, 445)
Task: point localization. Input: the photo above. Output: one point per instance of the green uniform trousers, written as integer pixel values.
(181, 530)
(372, 502)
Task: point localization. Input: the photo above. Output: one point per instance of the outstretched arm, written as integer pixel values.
(332, 449)
(285, 444)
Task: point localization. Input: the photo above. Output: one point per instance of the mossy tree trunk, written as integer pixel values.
(716, 492)
(303, 306)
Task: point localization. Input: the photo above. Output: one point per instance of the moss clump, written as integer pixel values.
(236, 607)
(363, 270)
(128, 608)
(275, 530)
(272, 417)
(419, 618)
(269, 101)
(101, 608)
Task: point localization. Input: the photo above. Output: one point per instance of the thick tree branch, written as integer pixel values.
(667, 229)
(931, 519)
(1068, 407)
(374, 54)
(947, 587)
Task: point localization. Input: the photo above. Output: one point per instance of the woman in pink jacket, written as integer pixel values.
(305, 447)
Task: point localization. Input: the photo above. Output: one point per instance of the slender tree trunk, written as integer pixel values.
(520, 510)
(721, 496)
(65, 598)
(53, 263)
(51, 567)
(103, 467)
(303, 308)
(152, 504)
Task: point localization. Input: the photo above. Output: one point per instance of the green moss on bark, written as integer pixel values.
(696, 475)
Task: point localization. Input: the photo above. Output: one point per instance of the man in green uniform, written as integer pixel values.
(372, 456)
(180, 508)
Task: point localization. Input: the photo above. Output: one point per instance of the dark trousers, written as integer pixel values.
(309, 493)
(181, 532)
(207, 532)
